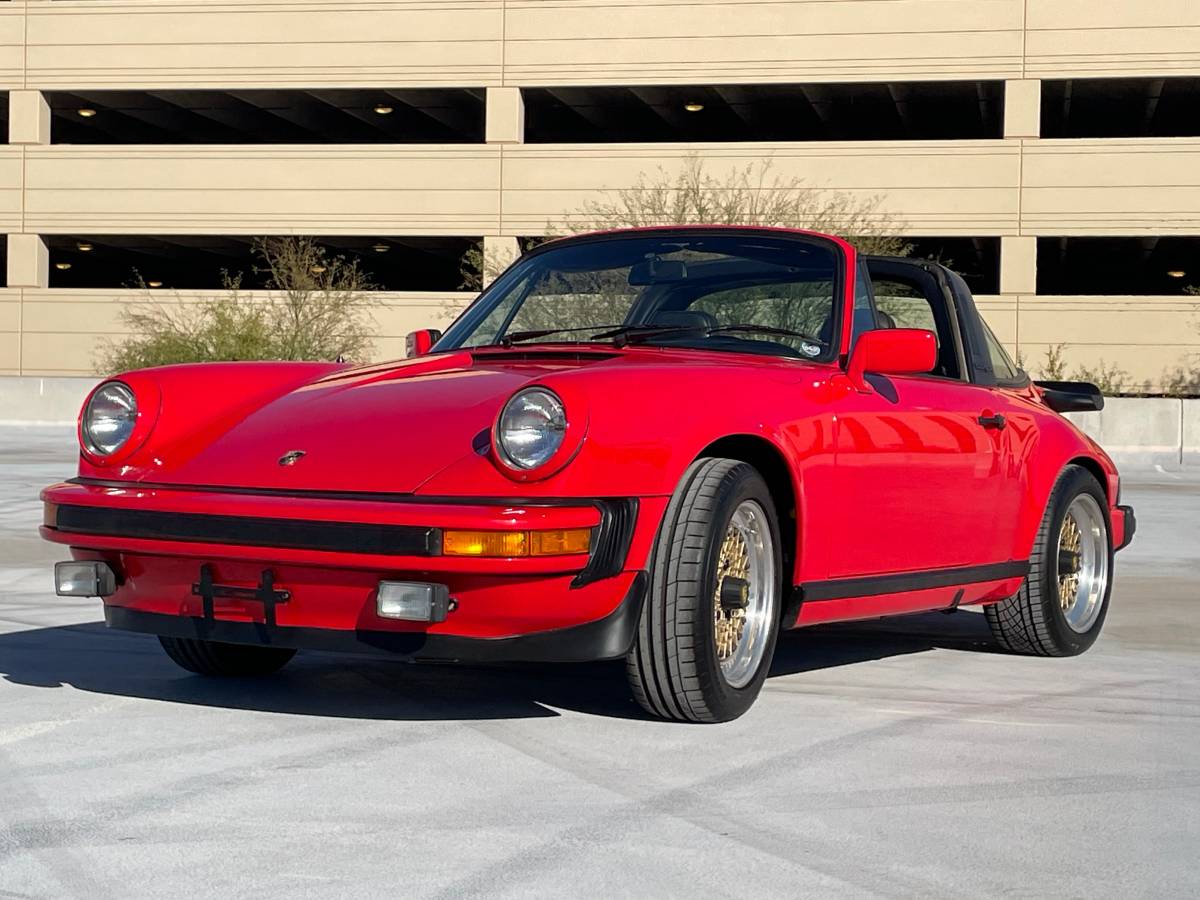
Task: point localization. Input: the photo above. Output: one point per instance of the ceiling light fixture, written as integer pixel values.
(381, 248)
(63, 266)
(1176, 273)
(317, 270)
(86, 113)
(83, 247)
(382, 110)
(154, 284)
(694, 107)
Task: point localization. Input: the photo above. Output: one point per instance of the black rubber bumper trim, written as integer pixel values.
(611, 540)
(292, 534)
(1130, 527)
(607, 638)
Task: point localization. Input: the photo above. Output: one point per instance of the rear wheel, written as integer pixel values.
(1061, 607)
(709, 624)
(228, 660)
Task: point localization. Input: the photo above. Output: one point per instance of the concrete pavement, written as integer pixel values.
(902, 758)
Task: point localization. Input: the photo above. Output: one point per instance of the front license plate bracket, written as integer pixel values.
(266, 593)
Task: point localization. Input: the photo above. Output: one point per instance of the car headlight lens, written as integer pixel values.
(109, 418)
(531, 428)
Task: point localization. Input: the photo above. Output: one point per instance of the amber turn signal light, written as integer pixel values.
(506, 544)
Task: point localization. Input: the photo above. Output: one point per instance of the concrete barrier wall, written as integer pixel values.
(1140, 431)
(37, 401)
(1135, 431)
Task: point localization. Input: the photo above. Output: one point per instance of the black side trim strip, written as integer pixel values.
(295, 534)
(607, 638)
(873, 585)
(612, 538)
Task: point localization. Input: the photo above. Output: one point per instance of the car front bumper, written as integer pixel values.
(327, 555)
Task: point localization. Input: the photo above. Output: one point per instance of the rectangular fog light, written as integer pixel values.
(84, 579)
(413, 601)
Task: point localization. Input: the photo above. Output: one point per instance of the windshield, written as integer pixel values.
(738, 292)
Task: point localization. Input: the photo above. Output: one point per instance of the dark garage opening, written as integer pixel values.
(359, 116)
(1117, 265)
(198, 261)
(976, 259)
(877, 111)
(1121, 107)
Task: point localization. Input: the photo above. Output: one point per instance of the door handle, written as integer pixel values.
(997, 421)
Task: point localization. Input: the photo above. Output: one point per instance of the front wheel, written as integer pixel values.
(1061, 607)
(228, 660)
(711, 617)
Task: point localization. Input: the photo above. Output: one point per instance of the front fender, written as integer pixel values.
(644, 429)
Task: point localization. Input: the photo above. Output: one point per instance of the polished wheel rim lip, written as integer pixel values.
(747, 552)
(1081, 563)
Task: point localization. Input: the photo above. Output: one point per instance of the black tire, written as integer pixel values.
(673, 667)
(1031, 621)
(225, 660)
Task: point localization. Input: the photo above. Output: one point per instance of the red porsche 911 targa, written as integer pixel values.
(662, 444)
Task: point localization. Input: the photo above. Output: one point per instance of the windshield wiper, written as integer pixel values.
(631, 333)
(509, 339)
(768, 329)
(625, 334)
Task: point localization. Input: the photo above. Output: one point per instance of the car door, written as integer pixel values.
(918, 461)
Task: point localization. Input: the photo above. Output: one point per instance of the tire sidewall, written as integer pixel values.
(1075, 481)
(730, 702)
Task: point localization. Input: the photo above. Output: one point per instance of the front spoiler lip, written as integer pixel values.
(608, 638)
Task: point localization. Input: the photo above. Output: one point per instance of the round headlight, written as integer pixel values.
(109, 419)
(530, 429)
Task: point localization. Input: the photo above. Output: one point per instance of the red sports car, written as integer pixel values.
(663, 444)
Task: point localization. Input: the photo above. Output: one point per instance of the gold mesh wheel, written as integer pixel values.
(1081, 565)
(744, 594)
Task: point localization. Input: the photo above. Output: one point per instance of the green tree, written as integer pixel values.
(314, 308)
(752, 195)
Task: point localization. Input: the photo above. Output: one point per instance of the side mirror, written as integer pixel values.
(418, 343)
(892, 351)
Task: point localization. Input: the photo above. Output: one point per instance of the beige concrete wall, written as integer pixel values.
(1094, 38)
(426, 190)
(1111, 186)
(1000, 187)
(260, 43)
(927, 187)
(195, 43)
(1017, 188)
(62, 328)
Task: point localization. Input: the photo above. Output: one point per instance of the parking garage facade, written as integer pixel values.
(1048, 150)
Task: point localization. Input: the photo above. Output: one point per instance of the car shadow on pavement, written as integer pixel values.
(91, 658)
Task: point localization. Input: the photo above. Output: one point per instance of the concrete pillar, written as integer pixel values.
(499, 252)
(28, 261)
(1018, 265)
(505, 121)
(1023, 108)
(28, 118)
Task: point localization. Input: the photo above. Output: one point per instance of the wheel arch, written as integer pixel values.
(771, 463)
(1093, 466)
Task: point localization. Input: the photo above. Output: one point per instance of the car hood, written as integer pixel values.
(385, 428)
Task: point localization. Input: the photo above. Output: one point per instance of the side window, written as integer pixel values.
(1004, 368)
(864, 309)
(904, 306)
(900, 303)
